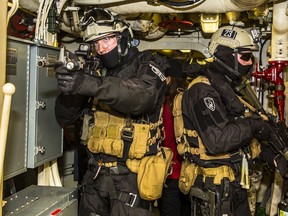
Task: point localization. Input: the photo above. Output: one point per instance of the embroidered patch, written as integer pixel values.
(210, 104)
(157, 72)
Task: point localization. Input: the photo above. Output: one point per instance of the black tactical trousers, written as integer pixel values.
(207, 198)
(111, 194)
(173, 202)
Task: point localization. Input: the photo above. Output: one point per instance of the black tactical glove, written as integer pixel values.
(274, 160)
(260, 129)
(282, 165)
(68, 108)
(69, 81)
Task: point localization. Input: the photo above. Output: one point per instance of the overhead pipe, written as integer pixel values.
(208, 6)
(128, 6)
(245, 3)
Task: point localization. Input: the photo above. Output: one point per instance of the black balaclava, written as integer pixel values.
(231, 67)
(111, 59)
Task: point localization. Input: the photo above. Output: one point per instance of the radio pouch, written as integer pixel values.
(152, 173)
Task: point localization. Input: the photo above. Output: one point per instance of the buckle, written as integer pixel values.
(127, 133)
(134, 197)
(114, 170)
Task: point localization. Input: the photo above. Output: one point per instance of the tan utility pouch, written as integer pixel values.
(106, 137)
(188, 175)
(152, 174)
(141, 135)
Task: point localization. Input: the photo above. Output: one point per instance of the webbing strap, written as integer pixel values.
(202, 150)
(111, 187)
(130, 199)
(190, 133)
(265, 117)
(198, 79)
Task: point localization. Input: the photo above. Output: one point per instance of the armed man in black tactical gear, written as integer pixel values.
(216, 140)
(122, 123)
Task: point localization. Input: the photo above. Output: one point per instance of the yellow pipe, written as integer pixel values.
(3, 45)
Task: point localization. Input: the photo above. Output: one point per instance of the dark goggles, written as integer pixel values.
(97, 15)
(246, 56)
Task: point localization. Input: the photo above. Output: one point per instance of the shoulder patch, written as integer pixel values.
(157, 72)
(210, 104)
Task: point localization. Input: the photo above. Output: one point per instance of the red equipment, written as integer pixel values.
(273, 74)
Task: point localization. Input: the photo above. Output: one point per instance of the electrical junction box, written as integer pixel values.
(42, 201)
(44, 134)
(34, 137)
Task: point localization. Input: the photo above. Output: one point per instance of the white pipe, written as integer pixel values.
(38, 22)
(51, 179)
(44, 173)
(241, 3)
(96, 2)
(279, 41)
(40, 176)
(65, 20)
(127, 6)
(8, 91)
(13, 9)
(76, 21)
(43, 19)
(55, 173)
(208, 6)
(31, 5)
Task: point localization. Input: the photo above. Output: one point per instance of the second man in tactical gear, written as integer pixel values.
(217, 133)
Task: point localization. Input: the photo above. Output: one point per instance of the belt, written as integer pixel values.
(113, 170)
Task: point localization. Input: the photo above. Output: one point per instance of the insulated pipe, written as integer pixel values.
(3, 45)
(246, 3)
(37, 26)
(208, 6)
(55, 173)
(31, 5)
(8, 90)
(13, 9)
(44, 175)
(279, 40)
(128, 7)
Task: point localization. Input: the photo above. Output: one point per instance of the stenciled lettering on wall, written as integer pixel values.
(11, 61)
